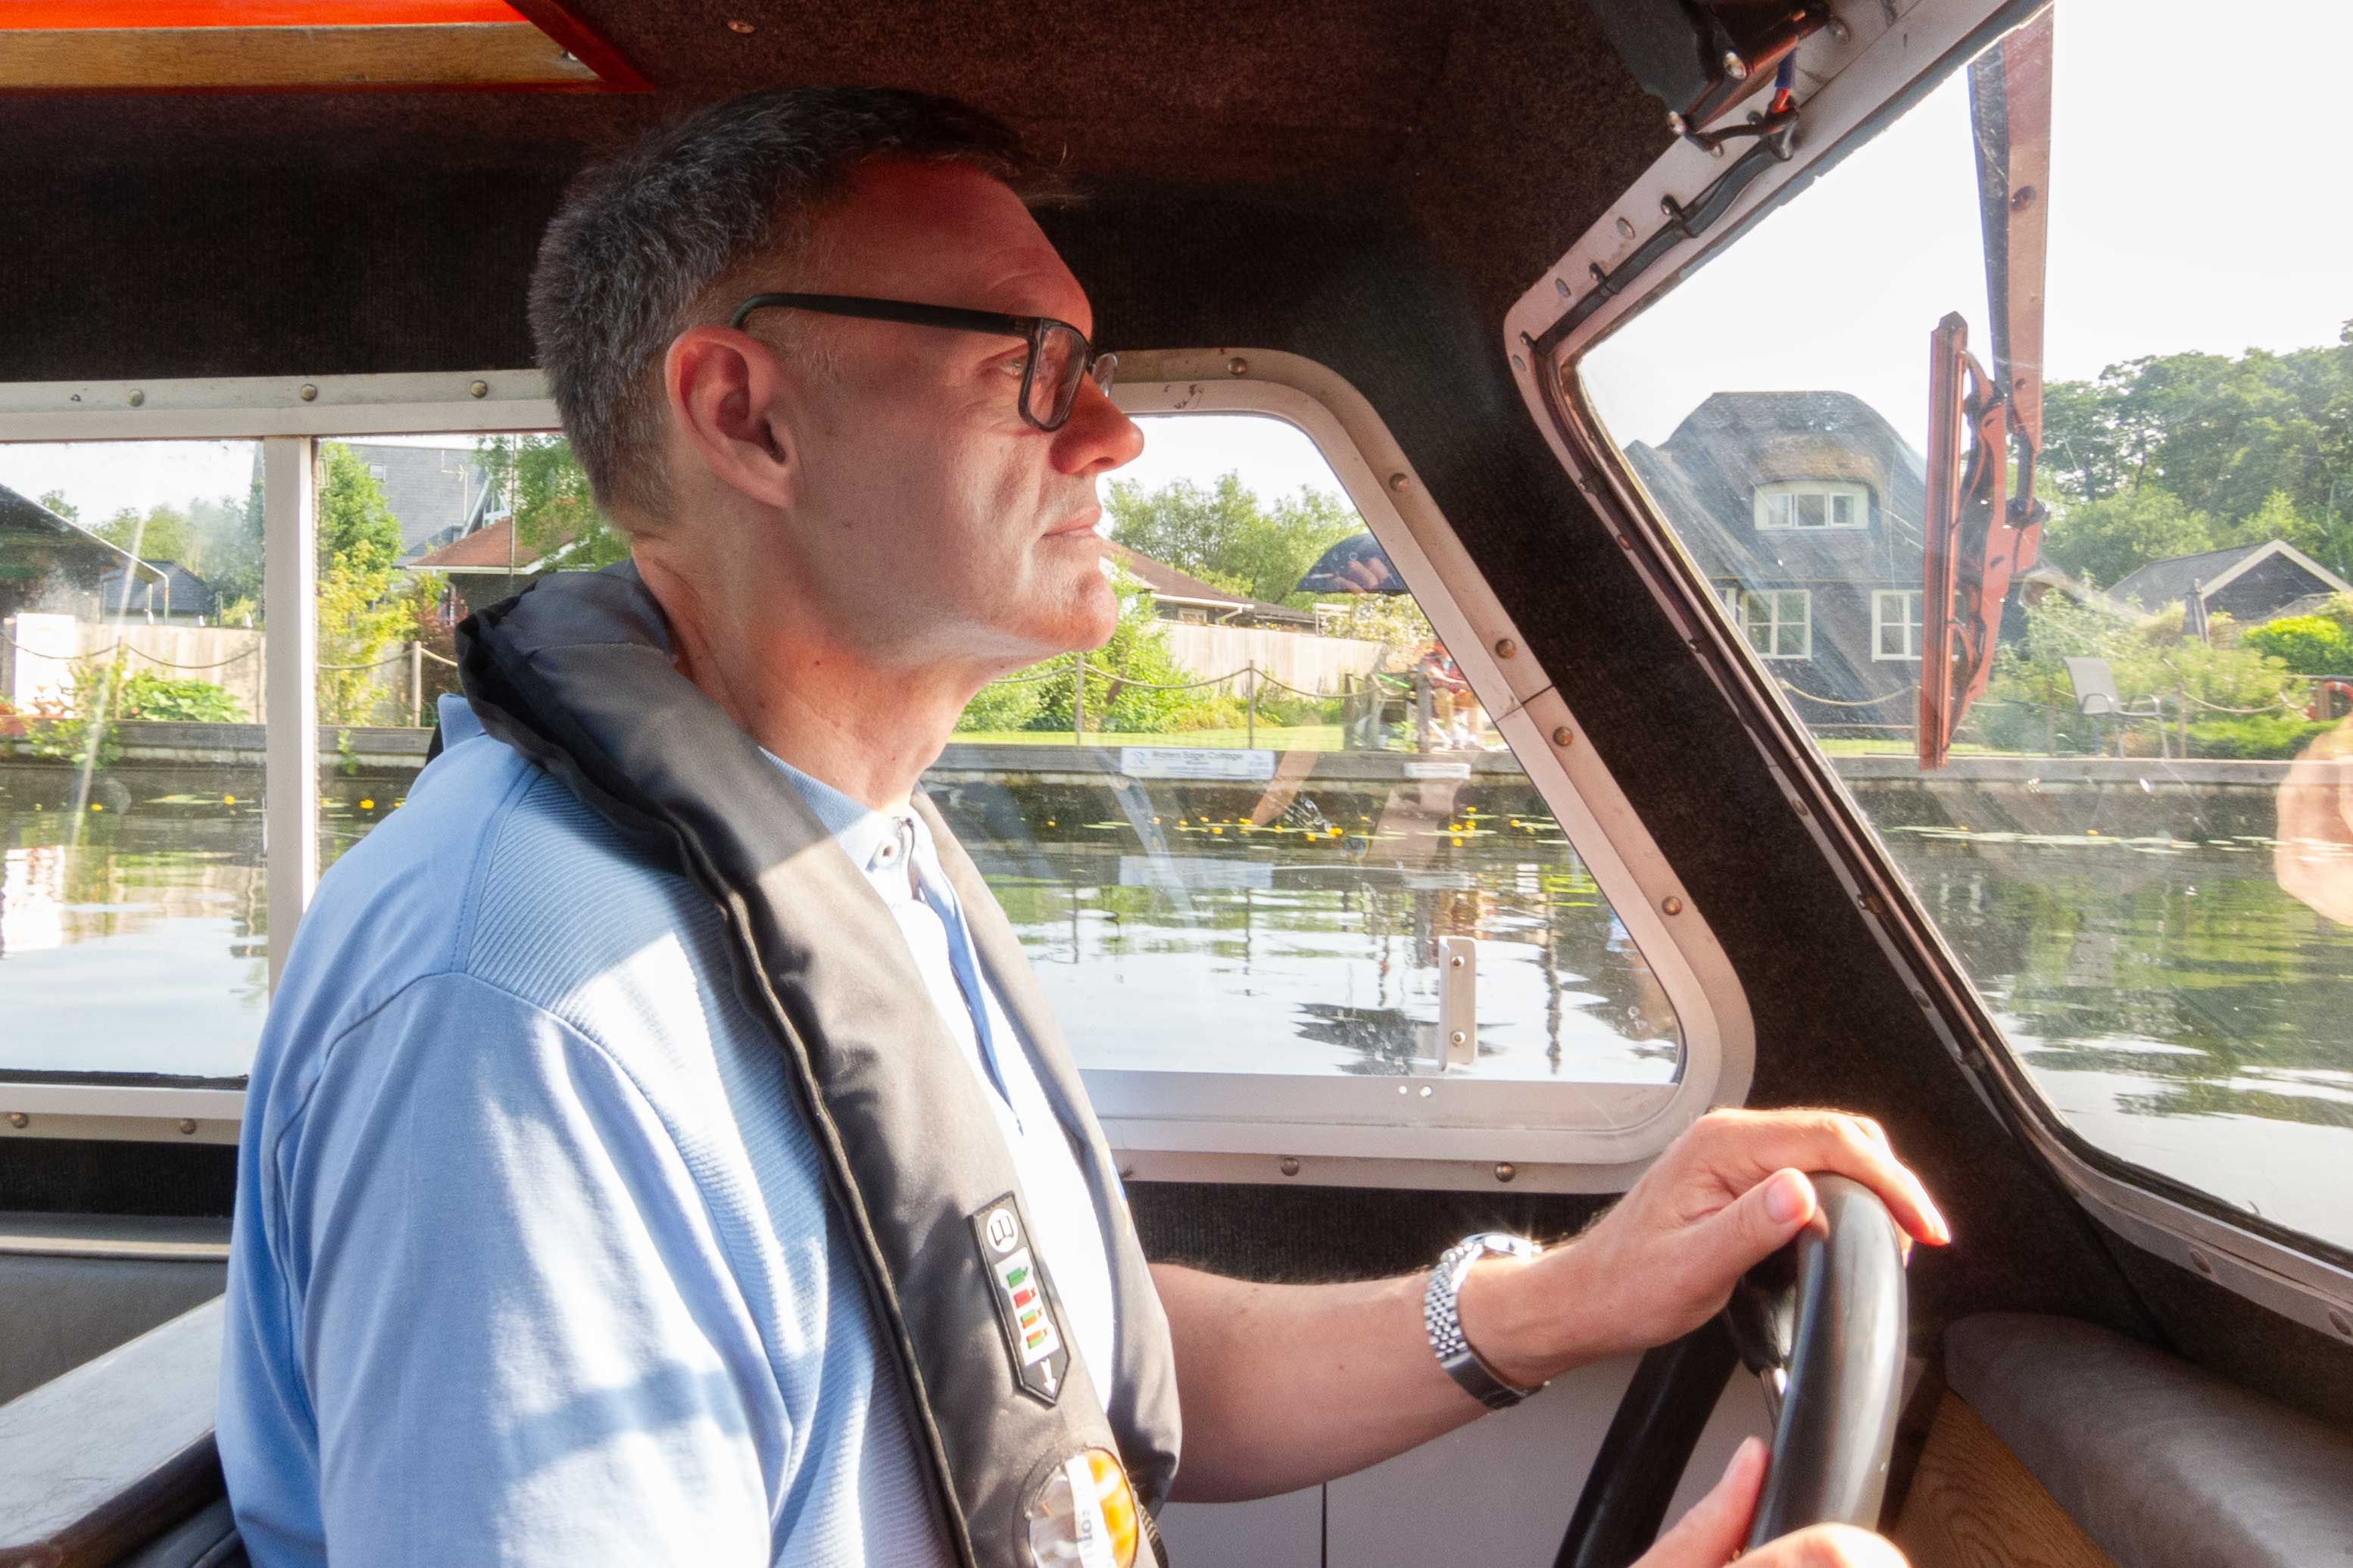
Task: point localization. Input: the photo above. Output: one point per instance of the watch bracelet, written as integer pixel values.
(1442, 1320)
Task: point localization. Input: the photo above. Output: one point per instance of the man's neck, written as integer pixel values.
(868, 730)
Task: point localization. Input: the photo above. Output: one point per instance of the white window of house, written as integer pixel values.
(1896, 623)
(1778, 622)
(1812, 504)
(376, 471)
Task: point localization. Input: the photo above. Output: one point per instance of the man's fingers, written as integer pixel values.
(1826, 1546)
(1761, 1222)
(1842, 1146)
(1712, 1532)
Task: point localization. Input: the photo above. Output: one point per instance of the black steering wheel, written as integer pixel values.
(1824, 1323)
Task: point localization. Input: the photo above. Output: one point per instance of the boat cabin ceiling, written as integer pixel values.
(1373, 186)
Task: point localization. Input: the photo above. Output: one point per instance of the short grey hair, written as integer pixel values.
(642, 239)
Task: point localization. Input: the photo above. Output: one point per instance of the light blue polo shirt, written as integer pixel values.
(533, 1261)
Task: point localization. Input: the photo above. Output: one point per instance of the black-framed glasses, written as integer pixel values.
(1060, 355)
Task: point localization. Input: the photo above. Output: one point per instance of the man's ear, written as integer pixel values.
(725, 391)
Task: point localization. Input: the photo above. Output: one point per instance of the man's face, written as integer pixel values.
(930, 520)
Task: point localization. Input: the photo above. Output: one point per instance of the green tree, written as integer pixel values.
(1226, 536)
(554, 505)
(2223, 434)
(2105, 540)
(228, 546)
(55, 501)
(159, 533)
(359, 615)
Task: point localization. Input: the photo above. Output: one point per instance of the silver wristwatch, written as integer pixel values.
(1445, 1325)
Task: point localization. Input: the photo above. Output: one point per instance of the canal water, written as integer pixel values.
(2178, 1008)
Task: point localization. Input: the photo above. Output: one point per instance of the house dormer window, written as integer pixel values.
(1812, 503)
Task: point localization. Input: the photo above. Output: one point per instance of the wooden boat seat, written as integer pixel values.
(112, 1463)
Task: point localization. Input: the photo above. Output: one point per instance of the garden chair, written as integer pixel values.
(2096, 699)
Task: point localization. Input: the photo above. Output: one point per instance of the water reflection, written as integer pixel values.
(2172, 1001)
(1257, 960)
(133, 939)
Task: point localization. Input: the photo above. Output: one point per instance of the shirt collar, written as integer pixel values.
(878, 843)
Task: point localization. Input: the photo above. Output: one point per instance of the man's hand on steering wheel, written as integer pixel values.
(1725, 1196)
(1709, 1536)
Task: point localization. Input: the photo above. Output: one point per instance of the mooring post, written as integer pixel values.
(1252, 667)
(416, 683)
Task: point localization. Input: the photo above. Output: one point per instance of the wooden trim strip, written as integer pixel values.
(89, 16)
(244, 58)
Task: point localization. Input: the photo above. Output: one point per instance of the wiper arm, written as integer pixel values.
(1980, 538)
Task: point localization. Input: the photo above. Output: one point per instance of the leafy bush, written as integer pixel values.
(152, 696)
(80, 726)
(2308, 645)
(2255, 737)
(2033, 704)
(1004, 704)
(1123, 676)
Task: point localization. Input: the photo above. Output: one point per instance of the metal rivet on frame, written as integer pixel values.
(137, 397)
(188, 1125)
(310, 392)
(1625, 228)
(1673, 905)
(479, 389)
(1505, 647)
(18, 1118)
(2200, 1262)
(1563, 735)
(2341, 1322)
(1290, 1166)
(1237, 366)
(1505, 1170)
(1398, 482)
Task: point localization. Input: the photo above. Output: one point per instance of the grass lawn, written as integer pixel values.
(1281, 738)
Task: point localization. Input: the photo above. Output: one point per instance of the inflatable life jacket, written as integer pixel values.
(1032, 1467)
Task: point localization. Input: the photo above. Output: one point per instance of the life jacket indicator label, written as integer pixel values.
(1023, 1292)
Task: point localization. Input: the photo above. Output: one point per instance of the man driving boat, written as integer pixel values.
(658, 1150)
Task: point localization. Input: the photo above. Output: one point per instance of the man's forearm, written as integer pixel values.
(1286, 1386)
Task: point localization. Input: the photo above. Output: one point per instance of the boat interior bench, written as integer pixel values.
(2157, 1462)
(112, 1462)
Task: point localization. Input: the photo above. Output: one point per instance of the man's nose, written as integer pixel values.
(1098, 437)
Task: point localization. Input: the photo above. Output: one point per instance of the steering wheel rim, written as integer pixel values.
(1824, 1323)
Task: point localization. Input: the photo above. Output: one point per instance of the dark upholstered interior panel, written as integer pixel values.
(58, 1312)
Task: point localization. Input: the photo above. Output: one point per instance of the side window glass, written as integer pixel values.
(133, 920)
(2135, 840)
(1238, 837)
(415, 533)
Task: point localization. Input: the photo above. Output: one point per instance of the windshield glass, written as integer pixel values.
(2139, 846)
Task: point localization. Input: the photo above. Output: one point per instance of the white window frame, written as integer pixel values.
(1830, 490)
(1463, 1132)
(1857, 76)
(1739, 600)
(1910, 602)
